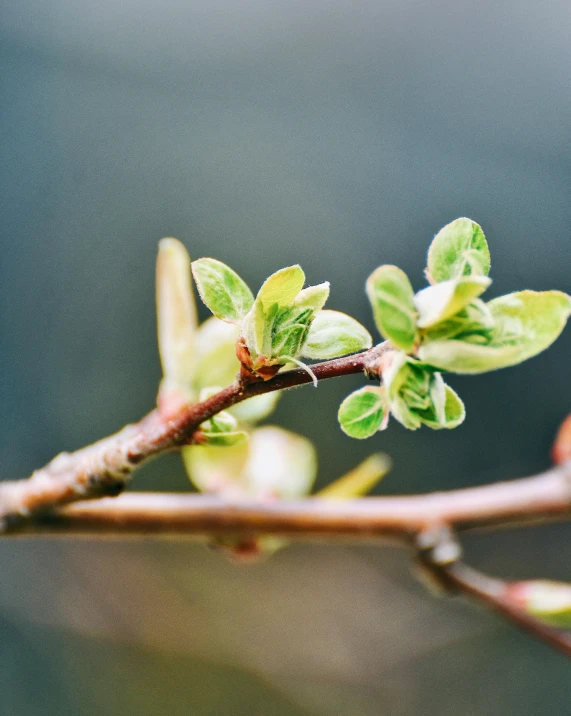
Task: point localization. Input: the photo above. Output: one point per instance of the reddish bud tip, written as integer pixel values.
(561, 451)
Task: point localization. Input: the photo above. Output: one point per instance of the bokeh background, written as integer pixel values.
(340, 135)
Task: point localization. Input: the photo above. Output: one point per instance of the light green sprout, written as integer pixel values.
(283, 323)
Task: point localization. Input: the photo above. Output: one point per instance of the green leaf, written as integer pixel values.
(225, 439)
(359, 481)
(217, 364)
(417, 395)
(459, 249)
(333, 334)
(392, 301)
(282, 287)
(289, 331)
(256, 328)
(449, 413)
(313, 297)
(473, 323)
(526, 323)
(176, 318)
(222, 429)
(222, 290)
(363, 412)
(530, 320)
(441, 301)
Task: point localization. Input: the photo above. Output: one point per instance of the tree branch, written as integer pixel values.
(544, 497)
(104, 468)
(40, 505)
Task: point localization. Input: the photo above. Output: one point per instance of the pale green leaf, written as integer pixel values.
(359, 481)
(406, 387)
(530, 320)
(222, 429)
(441, 301)
(274, 463)
(289, 331)
(222, 290)
(526, 323)
(216, 361)
(217, 470)
(459, 249)
(282, 287)
(416, 395)
(363, 412)
(225, 439)
(281, 464)
(407, 417)
(474, 323)
(257, 408)
(176, 318)
(459, 356)
(313, 297)
(448, 413)
(256, 328)
(391, 297)
(333, 334)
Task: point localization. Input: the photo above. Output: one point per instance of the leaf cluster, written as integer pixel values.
(446, 327)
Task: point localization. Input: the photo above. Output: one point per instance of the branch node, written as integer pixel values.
(437, 549)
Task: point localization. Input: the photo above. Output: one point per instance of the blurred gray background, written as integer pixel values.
(340, 135)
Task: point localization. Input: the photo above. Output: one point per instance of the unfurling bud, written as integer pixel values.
(549, 602)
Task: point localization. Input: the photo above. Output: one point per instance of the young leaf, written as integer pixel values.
(358, 481)
(280, 465)
(531, 320)
(274, 463)
(450, 413)
(222, 290)
(222, 429)
(334, 334)
(441, 301)
(417, 395)
(225, 439)
(363, 412)
(391, 297)
(176, 318)
(217, 471)
(459, 249)
(216, 362)
(282, 287)
(313, 297)
(256, 328)
(526, 324)
(289, 331)
(474, 323)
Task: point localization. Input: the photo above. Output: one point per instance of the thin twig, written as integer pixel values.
(440, 556)
(493, 594)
